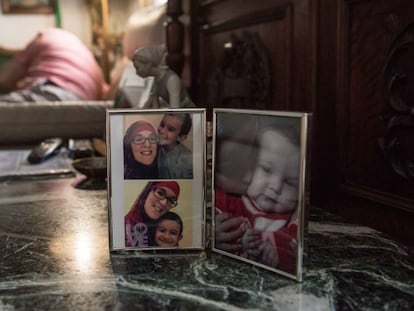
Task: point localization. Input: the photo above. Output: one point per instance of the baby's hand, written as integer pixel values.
(251, 242)
(269, 255)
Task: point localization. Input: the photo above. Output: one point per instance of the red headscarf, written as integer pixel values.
(142, 126)
(172, 185)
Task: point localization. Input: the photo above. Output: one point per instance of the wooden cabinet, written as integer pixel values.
(375, 113)
(349, 62)
(253, 54)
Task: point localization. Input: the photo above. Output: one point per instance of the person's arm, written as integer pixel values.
(10, 73)
(224, 238)
(14, 71)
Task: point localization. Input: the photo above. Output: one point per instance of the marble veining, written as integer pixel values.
(54, 255)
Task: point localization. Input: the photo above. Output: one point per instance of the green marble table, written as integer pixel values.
(54, 256)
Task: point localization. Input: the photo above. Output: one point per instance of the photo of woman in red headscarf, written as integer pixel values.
(155, 200)
(140, 151)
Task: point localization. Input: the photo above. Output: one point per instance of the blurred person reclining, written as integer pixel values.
(54, 66)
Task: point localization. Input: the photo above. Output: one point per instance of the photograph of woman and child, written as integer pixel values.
(257, 179)
(160, 148)
(156, 217)
(157, 181)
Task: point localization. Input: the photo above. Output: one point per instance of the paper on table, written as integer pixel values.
(13, 163)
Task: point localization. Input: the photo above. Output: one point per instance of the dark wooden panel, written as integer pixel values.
(350, 63)
(280, 32)
(371, 28)
(393, 221)
(175, 36)
(325, 72)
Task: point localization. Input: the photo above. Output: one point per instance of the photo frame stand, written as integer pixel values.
(249, 168)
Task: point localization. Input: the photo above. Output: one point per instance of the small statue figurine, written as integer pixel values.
(168, 89)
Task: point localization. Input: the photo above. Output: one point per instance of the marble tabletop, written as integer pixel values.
(54, 255)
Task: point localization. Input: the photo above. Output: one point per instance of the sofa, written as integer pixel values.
(28, 123)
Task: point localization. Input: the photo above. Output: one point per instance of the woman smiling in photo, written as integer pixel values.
(140, 151)
(141, 221)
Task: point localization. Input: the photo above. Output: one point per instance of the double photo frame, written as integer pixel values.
(158, 178)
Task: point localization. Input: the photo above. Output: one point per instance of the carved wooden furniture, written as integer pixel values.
(349, 62)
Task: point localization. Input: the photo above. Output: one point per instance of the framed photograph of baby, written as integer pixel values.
(260, 186)
(156, 178)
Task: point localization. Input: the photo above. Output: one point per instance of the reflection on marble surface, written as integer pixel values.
(54, 256)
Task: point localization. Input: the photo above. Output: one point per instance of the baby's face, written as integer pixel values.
(274, 186)
(167, 233)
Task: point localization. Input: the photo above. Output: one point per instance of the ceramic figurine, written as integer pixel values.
(168, 90)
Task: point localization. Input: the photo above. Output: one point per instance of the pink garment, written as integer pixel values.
(61, 57)
(277, 228)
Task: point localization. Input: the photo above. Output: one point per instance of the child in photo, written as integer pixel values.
(169, 231)
(140, 151)
(175, 160)
(154, 201)
(267, 213)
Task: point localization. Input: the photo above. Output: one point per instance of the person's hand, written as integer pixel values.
(251, 242)
(270, 256)
(225, 239)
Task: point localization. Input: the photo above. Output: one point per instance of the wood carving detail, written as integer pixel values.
(397, 142)
(243, 78)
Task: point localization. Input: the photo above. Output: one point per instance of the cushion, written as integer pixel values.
(28, 122)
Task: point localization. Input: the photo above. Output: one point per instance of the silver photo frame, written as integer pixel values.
(260, 185)
(156, 178)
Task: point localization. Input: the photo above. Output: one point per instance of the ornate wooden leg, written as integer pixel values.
(175, 36)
